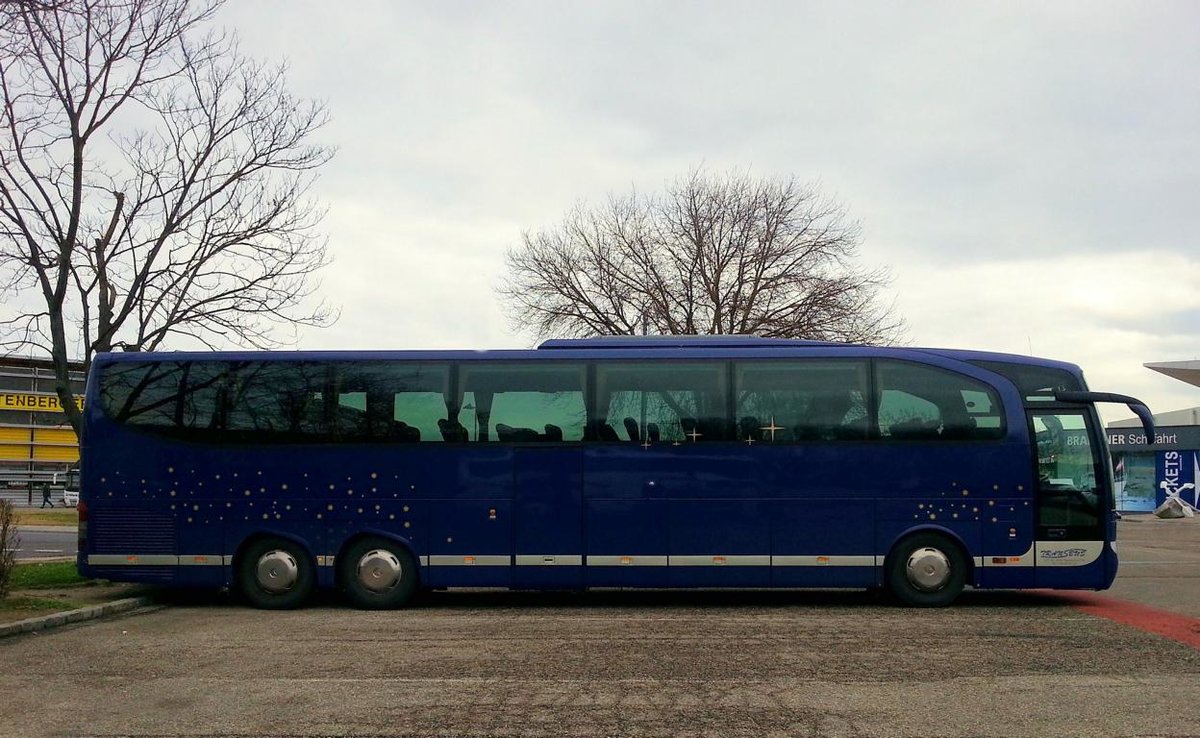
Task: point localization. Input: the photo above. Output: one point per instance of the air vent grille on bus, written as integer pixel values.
(132, 531)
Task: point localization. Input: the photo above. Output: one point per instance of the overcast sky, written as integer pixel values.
(1031, 174)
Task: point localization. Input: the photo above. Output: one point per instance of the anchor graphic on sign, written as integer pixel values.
(1174, 490)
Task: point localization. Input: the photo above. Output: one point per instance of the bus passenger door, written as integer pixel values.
(548, 514)
(1072, 502)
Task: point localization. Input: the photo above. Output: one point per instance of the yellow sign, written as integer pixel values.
(33, 403)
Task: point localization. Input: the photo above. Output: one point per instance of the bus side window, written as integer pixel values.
(391, 401)
(201, 394)
(918, 402)
(276, 402)
(818, 400)
(523, 403)
(682, 403)
(144, 395)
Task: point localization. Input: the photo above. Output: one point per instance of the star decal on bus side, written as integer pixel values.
(772, 428)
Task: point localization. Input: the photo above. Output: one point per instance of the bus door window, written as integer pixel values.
(1069, 499)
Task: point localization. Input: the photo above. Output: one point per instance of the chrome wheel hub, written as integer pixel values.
(379, 570)
(928, 569)
(277, 571)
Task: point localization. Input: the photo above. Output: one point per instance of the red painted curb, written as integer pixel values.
(1171, 625)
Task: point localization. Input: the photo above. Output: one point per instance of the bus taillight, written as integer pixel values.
(82, 509)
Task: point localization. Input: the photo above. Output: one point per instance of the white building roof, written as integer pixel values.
(1191, 416)
(1184, 371)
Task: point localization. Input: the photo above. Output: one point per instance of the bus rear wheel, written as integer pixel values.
(377, 574)
(274, 574)
(927, 570)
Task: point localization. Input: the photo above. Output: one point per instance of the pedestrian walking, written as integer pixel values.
(46, 501)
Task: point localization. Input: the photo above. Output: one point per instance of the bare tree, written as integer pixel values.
(9, 540)
(713, 255)
(153, 183)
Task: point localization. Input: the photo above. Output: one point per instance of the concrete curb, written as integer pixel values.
(94, 612)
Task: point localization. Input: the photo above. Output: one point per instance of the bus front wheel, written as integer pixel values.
(927, 570)
(274, 574)
(377, 574)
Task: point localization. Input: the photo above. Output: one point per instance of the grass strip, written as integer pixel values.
(47, 575)
(65, 517)
(35, 603)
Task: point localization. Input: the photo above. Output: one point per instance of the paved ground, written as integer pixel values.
(1160, 563)
(46, 541)
(627, 664)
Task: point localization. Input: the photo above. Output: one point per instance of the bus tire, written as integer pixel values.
(275, 574)
(927, 570)
(377, 574)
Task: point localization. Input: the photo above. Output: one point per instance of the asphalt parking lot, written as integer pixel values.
(629, 664)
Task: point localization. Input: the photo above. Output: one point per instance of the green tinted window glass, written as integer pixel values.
(683, 403)
(1066, 462)
(918, 402)
(815, 400)
(522, 403)
(391, 402)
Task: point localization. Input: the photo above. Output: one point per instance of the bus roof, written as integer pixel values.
(616, 347)
(724, 341)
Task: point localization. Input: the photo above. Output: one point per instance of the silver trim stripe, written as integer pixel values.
(1044, 553)
(469, 560)
(555, 560)
(209, 560)
(718, 560)
(626, 560)
(135, 560)
(816, 561)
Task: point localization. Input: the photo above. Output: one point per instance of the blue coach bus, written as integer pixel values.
(608, 462)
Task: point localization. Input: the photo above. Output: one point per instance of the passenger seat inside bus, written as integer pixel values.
(453, 431)
(509, 434)
(826, 418)
(404, 432)
(631, 427)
